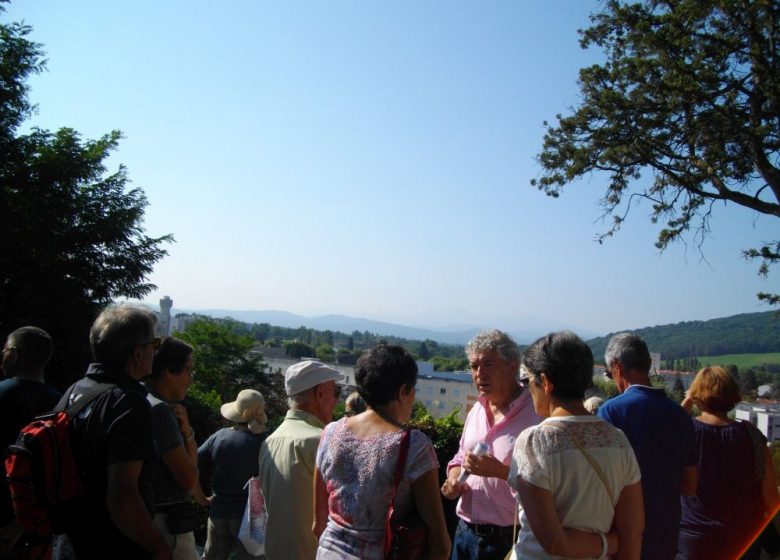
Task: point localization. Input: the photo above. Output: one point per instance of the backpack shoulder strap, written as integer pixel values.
(83, 400)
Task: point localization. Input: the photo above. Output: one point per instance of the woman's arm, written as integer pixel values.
(769, 485)
(556, 540)
(630, 522)
(428, 503)
(320, 504)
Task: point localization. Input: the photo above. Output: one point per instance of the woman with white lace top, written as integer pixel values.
(575, 474)
(356, 465)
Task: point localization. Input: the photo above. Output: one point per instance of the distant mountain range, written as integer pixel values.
(450, 335)
(737, 334)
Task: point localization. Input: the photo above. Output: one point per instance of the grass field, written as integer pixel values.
(742, 361)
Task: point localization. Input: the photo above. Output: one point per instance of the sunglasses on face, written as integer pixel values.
(156, 341)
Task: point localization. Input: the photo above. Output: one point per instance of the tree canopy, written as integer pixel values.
(690, 95)
(73, 238)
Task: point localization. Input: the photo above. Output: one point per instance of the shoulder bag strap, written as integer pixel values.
(590, 459)
(399, 470)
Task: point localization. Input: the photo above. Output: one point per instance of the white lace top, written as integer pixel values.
(546, 456)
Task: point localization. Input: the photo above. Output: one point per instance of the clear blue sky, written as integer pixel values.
(370, 159)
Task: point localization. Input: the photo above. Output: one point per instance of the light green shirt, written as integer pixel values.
(287, 460)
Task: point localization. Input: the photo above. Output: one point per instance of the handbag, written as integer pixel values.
(181, 517)
(251, 533)
(407, 539)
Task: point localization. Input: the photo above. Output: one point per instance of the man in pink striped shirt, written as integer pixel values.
(487, 507)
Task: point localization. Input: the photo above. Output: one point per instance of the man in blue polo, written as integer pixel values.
(661, 433)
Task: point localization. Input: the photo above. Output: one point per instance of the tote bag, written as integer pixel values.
(253, 524)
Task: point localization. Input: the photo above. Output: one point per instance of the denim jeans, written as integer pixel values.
(469, 546)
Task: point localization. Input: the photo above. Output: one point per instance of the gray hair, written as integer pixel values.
(295, 402)
(117, 330)
(496, 340)
(629, 351)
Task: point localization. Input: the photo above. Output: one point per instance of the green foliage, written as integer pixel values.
(73, 237)
(325, 353)
(741, 361)
(606, 386)
(441, 363)
(424, 352)
(297, 349)
(738, 334)
(677, 393)
(689, 92)
(225, 366)
(444, 432)
(356, 342)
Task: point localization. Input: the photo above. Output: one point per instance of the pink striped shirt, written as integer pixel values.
(491, 500)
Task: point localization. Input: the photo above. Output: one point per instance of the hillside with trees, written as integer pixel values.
(748, 333)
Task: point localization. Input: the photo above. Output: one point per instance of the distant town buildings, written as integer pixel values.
(765, 417)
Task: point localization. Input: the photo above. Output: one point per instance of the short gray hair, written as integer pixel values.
(117, 330)
(630, 351)
(298, 400)
(496, 340)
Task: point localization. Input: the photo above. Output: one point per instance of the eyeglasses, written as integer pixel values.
(191, 372)
(156, 341)
(524, 382)
(607, 374)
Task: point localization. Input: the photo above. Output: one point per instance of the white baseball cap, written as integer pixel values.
(307, 374)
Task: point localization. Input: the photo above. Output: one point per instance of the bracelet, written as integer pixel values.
(191, 436)
(603, 546)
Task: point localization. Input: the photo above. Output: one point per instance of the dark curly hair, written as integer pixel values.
(382, 371)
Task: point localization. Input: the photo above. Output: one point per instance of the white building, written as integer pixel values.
(443, 391)
(765, 417)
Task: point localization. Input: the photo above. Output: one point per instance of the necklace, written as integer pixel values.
(389, 419)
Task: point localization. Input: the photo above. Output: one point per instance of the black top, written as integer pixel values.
(115, 428)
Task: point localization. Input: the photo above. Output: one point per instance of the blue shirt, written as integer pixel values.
(661, 433)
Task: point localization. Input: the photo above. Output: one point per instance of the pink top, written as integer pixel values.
(491, 500)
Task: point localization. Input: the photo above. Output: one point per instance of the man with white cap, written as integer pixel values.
(287, 460)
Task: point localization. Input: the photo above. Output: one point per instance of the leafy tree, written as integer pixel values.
(223, 359)
(606, 386)
(224, 366)
(678, 389)
(689, 93)
(748, 381)
(296, 349)
(325, 353)
(73, 237)
(424, 352)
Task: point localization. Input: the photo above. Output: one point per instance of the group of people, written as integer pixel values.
(536, 474)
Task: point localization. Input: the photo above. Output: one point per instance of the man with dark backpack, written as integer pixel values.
(113, 443)
(23, 396)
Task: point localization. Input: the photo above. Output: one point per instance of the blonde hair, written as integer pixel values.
(714, 390)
